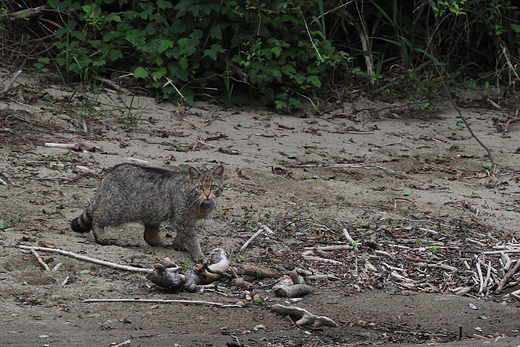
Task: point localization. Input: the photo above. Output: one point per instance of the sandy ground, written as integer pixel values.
(412, 192)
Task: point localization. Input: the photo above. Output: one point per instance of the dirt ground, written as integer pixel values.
(412, 193)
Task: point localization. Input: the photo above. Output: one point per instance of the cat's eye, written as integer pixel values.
(200, 187)
(214, 187)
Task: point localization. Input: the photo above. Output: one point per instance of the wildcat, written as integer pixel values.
(135, 193)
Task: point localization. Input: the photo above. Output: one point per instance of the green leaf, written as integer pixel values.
(164, 4)
(280, 105)
(160, 73)
(109, 36)
(165, 44)
(314, 80)
(140, 72)
(215, 49)
(487, 165)
(276, 51)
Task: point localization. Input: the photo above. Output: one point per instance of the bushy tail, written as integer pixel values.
(83, 223)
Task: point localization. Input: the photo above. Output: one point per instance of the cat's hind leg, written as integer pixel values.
(99, 235)
(152, 237)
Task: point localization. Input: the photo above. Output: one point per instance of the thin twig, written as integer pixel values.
(355, 166)
(9, 84)
(89, 259)
(480, 278)
(325, 260)
(508, 275)
(464, 120)
(330, 248)
(255, 235)
(163, 301)
(40, 260)
(310, 38)
(123, 344)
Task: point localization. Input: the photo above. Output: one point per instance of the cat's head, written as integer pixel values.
(206, 185)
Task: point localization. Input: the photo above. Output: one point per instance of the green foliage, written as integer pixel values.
(190, 47)
(280, 52)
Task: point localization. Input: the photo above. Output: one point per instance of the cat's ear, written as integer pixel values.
(194, 173)
(218, 172)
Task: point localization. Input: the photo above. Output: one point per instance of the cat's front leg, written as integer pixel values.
(188, 240)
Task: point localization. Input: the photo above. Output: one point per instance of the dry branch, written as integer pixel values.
(89, 259)
(255, 235)
(26, 13)
(86, 147)
(357, 166)
(9, 84)
(113, 85)
(40, 260)
(123, 344)
(163, 301)
(304, 317)
(324, 260)
(508, 275)
(330, 248)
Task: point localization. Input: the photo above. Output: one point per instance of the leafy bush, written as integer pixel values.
(281, 52)
(195, 46)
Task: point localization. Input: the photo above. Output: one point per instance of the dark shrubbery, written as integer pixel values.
(280, 51)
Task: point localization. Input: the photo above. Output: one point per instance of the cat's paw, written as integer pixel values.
(106, 242)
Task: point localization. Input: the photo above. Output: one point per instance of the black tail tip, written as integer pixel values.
(79, 226)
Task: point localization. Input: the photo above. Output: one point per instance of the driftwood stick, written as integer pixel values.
(89, 259)
(464, 119)
(86, 147)
(480, 278)
(347, 236)
(356, 166)
(40, 260)
(330, 248)
(325, 260)
(9, 84)
(502, 251)
(113, 85)
(488, 275)
(508, 275)
(260, 231)
(123, 344)
(26, 13)
(304, 316)
(164, 301)
(255, 235)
